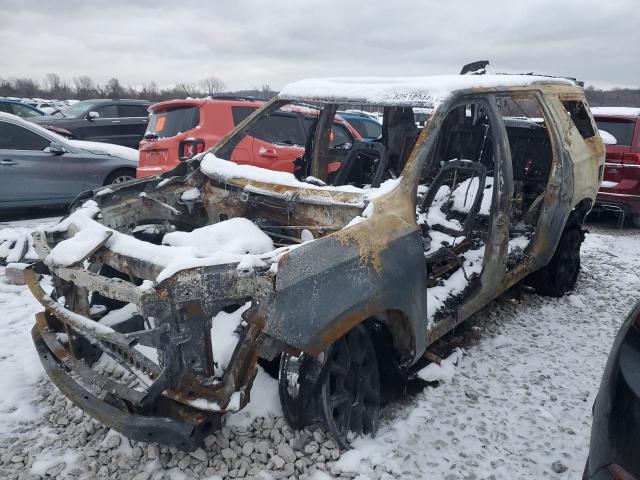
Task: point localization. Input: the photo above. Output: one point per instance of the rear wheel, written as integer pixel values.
(350, 390)
(559, 276)
(120, 176)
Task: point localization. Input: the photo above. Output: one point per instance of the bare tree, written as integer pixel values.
(56, 86)
(212, 85)
(84, 86)
(189, 89)
(25, 87)
(6, 89)
(52, 82)
(114, 89)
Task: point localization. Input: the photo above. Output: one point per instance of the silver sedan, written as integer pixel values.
(41, 168)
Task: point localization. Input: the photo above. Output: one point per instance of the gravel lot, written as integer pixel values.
(517, 405)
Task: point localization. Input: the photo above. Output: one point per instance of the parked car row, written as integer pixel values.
(18, 108)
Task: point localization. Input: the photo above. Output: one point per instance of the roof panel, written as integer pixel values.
(407, 91)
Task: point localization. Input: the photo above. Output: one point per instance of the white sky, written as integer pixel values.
(249, 43)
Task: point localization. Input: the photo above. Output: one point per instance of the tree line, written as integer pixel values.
(84, 87)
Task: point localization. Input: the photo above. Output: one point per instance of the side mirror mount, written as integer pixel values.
(92, 115)
(56, 149)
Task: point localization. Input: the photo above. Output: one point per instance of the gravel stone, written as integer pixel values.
(286, 453)
(262, 446)
(228, 453)
(311, 447)
(277, 462)
(184, 462)
(248, 448)
(199, 454)
(153, 452)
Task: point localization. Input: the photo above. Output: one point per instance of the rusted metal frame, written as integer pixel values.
(112, 342)
(132, 266)
(320, 154)
(115, 288)
(172, 424)
(78, 322)
(88, 375)
(239, 375)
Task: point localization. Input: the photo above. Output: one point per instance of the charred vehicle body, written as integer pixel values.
(358, 262)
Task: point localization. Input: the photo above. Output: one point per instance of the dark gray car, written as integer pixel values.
(41, 168)
(122, 122)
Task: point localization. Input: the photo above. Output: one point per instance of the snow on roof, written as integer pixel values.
(407, 91)
(621, 111)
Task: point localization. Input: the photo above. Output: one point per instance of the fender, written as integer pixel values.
(327, 287)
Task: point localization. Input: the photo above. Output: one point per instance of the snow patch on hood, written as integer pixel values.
(237, 241)
(236, 235)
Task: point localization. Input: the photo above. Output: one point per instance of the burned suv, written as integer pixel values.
(181, 284)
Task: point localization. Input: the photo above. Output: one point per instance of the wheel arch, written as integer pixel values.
(119, 169)
(579, 213)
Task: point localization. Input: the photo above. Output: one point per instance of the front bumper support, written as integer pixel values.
(184, 434)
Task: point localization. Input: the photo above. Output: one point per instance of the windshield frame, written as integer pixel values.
(409, 175)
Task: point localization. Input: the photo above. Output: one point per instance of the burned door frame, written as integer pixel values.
(496, 247)
(552, 186)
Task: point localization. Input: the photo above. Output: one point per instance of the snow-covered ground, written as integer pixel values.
(518, 400)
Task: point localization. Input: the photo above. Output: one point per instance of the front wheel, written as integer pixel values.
(559, 276)
(350, 389)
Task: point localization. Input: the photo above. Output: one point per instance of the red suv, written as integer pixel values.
(180, 129)
(620, 189)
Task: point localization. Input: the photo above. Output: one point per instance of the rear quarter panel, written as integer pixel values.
(586, 156)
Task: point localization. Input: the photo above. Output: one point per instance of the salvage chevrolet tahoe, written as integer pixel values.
(353, 265)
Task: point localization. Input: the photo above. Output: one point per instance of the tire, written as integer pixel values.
(120, 176)
(350, 388)
(559, 276)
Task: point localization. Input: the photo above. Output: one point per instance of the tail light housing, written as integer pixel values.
(189, 148)
(631, 159)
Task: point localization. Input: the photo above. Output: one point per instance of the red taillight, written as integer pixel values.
(189, 148)
(631, 158)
